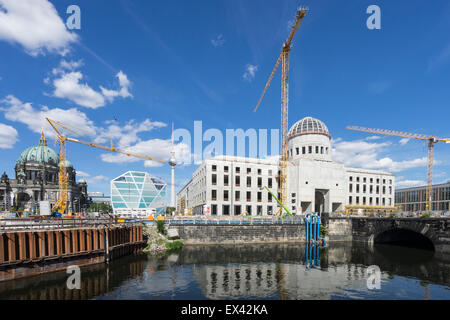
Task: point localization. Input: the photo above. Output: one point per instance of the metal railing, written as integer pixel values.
(41, 223)
(202, 220)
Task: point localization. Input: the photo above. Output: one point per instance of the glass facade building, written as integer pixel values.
(138, 194)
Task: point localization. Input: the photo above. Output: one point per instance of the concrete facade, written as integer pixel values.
(413, 199)
(225, 186)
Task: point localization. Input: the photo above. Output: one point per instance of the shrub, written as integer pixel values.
(160, 227)
(175, 245)
(323, 231)
(425, 215)
(393, 214)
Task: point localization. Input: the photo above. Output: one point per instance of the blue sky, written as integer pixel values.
(136, 66)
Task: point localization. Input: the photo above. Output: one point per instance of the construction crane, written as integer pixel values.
(60, 205)
(432, 140)
(284, 59)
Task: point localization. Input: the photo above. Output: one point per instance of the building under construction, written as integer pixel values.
(224, 185)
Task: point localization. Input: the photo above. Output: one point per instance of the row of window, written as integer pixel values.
(227, 210)
(246, 196)
(369, 201)
(237, 181)
(310, 149)
(238, 170)
(364, 180)
(370, 190)
(439, 193)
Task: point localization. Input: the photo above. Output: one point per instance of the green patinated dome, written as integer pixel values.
(40, 153)
(81, 180)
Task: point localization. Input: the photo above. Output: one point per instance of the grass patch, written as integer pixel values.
(175, 246)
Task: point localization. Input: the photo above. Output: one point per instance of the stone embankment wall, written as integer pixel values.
(237, 234)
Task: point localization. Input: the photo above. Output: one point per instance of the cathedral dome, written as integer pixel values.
(40, 153)
(309, 125)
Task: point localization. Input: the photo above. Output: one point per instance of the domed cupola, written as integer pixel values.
(309, 125)
(39, 154)
(309, 138)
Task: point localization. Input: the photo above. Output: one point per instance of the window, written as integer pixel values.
(237, 195)
(238, 181)
(259, 171)
(249, 196)
(269, 210)
(297, 150)
(249, 170)
(351, 178)
(357, 179)
(249, 182)
(364, 188)
(293, 195)
(269, 197)
(259, 210)
(317, 149)
(225, 180)
(378, 190)
(303, 150)
(225, 195)
(384, 189)
(270, 182)
(371, 189)
(364, 201)
(350, 200)
(214, 209)
(321, 150)
(225, 169)
(238, 170)
(364, 180)
(370, 201)
(357, 200)
(350, 188)
(226, 210)
(371, 180)
(259, 196)
(249, 210)
(214, 179)
(384, 181)
(214, 167)
(213, 195)
(357, 188)
(309, 149)
(259, 182)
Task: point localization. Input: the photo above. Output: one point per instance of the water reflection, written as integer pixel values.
(338, 271)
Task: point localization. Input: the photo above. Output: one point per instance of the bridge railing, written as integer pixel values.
(42, 223)
(233, 220)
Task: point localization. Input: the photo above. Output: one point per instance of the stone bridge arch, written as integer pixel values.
(388, 230)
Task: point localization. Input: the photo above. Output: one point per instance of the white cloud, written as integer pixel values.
(372, 138)
(8, 136)
(409, 183)
(92, 180)
(123, 136)
(35, 119)
(249, 73)
(403, 141)
(68, 85)
(363, 154)
(218, 41)
(36, 25)
(16, 110)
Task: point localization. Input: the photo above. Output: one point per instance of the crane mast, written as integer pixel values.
(284, 60)
(430, 159)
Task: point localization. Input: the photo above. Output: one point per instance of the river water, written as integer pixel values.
(270, 271)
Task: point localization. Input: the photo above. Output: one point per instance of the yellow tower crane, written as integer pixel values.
(431, 142)
(284, 58)
(61, 204)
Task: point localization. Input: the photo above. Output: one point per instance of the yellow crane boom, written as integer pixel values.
(432, 140)
(284, 59)
(60, 205)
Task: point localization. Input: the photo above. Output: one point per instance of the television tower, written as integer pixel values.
(172, 163)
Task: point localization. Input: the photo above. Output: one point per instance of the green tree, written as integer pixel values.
(170, 210)
(100, 207)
